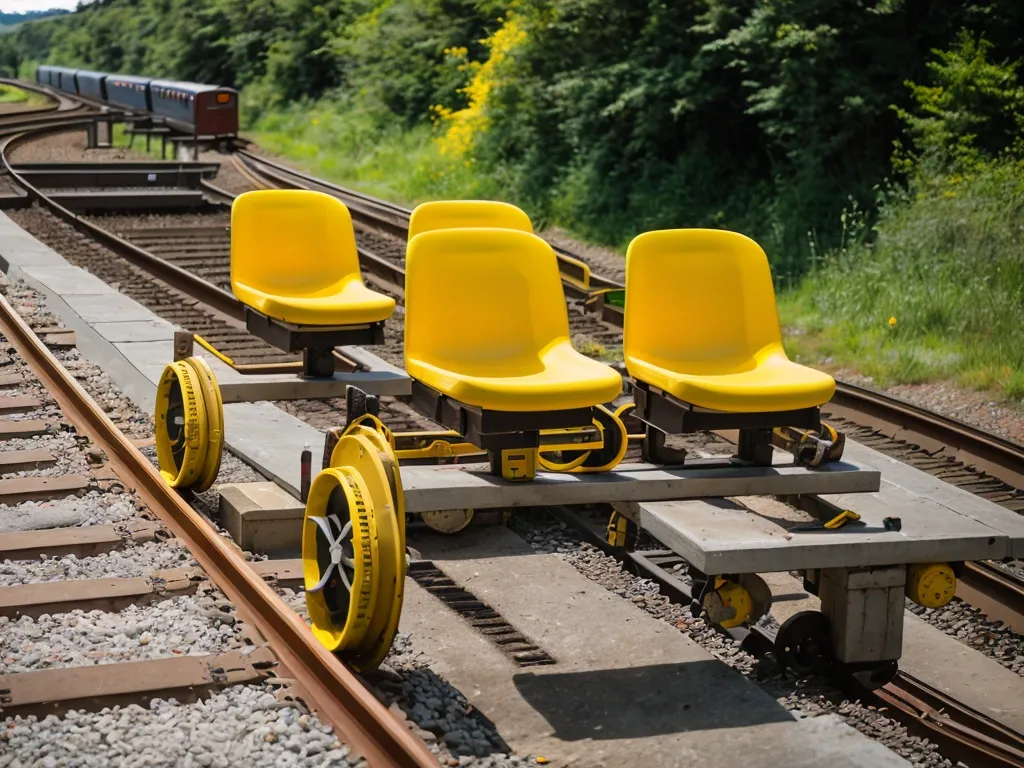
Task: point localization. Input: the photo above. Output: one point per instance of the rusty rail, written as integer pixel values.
(961, 732)
(178, 278)
(328, 686)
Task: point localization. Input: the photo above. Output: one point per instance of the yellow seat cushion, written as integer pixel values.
(486, 324)
(772, 384)
(560, 379)
(294, 259)
(352, 303)
(701, 324)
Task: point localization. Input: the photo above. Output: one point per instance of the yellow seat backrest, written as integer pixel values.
(458, 214)
(699, 301)
(480, 299)
(293, 243)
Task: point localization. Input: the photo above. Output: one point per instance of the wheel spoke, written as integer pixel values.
(337, 554)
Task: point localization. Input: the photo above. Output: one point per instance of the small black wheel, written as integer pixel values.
(803, 643)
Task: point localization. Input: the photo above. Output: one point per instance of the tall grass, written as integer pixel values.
(10, 94)
(348, 143)
(938, 293)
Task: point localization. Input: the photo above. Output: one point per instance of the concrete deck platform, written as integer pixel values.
(637, 690)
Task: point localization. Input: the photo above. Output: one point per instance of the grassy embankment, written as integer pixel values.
(937, 293)
(12, 95)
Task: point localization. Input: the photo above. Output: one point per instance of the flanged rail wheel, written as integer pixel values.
(189, 425)
(353, 550)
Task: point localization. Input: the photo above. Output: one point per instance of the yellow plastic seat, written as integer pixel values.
(702, 325)
(294, 259)
(486, 324)
(459, 214)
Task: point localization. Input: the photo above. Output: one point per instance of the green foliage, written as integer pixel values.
(764, 117)
(974, 108)
(948, 264)
(392, 162)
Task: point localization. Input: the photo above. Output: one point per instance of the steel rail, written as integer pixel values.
(995, 592)
(997, 456)
(195, 286)
(961, 732)
(327, 684)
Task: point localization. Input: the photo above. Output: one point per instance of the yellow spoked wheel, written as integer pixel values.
(353, 550)
(614, 444)
(189, 425)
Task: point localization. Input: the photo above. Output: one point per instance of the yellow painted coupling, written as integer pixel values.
(518, 464)
(618, 530)
(931, 585)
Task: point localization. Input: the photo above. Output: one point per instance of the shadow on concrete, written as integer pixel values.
(640, 702)
(471, 544)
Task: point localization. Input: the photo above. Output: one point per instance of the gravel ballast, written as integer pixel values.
(175, 627)
(238, 726)
(94, 508)
(133, 561)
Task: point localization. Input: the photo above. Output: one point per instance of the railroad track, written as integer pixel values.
(52, 416)
(908, 441)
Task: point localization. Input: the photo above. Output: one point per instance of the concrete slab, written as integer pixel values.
(137, 330)
(965, 503)
(290, 387)
(637, 688)
(261, 517)
(147, 357)
(15, 256)
(113, 308)
(932, 656)
(461, 486)
(72, 282)
(271, 440)
(239, 387)
(722, 536)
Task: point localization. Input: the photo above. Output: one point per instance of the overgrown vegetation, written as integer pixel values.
(936, 288)
(12, 95)
(871, 146)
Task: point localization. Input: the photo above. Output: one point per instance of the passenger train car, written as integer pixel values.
(208, 111)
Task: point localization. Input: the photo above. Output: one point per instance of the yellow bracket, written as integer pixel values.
(575, 265)
(844, 517)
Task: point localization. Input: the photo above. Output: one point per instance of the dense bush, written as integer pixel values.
(610, 116)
